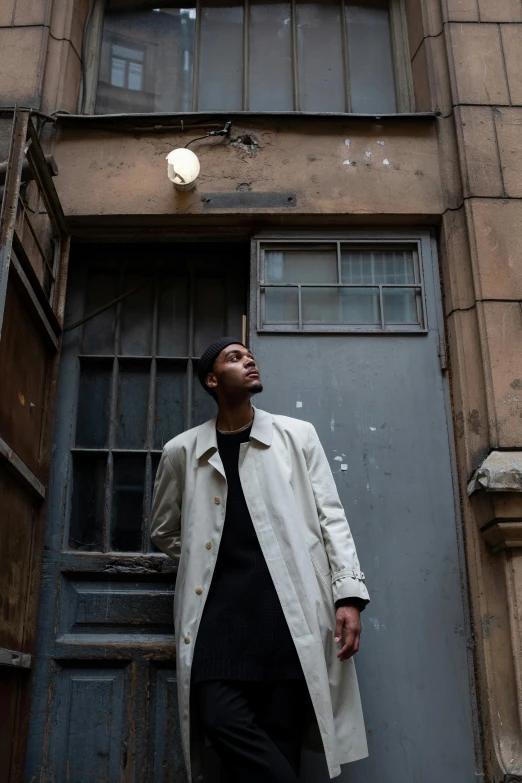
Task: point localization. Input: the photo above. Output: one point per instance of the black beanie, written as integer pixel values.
(209, 356)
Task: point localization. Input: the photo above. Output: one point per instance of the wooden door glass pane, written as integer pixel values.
(171, 381)
(320, 56)
(173, 317)
(221, 56)
(210, 310)
(98, 332)
(133, 396)
(88, 502)
(370, 60)
(92, 424)
(127, 502)
(270, 56)
(136, 317)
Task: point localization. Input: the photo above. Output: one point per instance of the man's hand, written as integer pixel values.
(347, 625)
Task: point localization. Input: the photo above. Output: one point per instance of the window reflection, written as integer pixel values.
(338, 54)
(146, 61)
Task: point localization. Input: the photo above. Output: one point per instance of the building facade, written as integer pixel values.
(358, 220)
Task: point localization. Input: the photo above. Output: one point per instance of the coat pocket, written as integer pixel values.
(320, 561)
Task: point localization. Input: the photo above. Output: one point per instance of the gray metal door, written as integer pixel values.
(348, 336)
(104, 701)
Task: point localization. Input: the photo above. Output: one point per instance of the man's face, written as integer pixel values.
(235, 373)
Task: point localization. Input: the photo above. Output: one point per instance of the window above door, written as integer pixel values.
(250, 55)
(340, 286)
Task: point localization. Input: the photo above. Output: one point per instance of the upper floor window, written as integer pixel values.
(251, 55)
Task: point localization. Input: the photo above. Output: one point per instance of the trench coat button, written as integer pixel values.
(209, 545)
(199, 590)
(187, 640)
(217, 501)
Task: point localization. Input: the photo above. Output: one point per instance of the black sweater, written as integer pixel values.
(243, 634)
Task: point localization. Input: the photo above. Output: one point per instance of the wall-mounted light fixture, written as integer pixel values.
(183, 165)
(183, 168)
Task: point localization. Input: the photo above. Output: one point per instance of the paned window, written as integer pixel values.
(138, 388)
(340, 286)
(252, 55)
(126, 68)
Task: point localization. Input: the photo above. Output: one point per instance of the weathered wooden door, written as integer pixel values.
(348, 333)
(33, 266)
(105, 702)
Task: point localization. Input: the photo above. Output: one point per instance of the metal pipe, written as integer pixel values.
(346, 61)
(8, 111)
(27, 170)
(295, 72)
(197, 49)
(106, 307)
(246, 54)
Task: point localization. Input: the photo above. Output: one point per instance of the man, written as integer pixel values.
(269, 589)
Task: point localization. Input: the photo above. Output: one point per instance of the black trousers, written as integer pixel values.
(256, 728)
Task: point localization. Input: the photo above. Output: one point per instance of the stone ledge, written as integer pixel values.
(501, 471)
(504, 535)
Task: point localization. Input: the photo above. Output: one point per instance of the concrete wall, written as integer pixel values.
(460, 171)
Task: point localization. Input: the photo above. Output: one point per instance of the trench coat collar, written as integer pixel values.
(261, 431)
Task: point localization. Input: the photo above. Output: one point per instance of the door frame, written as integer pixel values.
(428, 246)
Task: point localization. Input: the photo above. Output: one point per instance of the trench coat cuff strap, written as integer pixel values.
(349, 587)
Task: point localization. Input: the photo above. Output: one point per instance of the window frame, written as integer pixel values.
(399, 45)
(419, 243)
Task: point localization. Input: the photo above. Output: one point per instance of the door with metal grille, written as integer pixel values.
(348, 333)
(104, 704)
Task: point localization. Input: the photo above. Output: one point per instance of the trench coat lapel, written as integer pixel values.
(207, 441)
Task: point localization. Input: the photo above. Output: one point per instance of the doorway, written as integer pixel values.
(348, 332)
(105, 695)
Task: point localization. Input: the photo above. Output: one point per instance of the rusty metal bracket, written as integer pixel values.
(14, 658)
(27, 169)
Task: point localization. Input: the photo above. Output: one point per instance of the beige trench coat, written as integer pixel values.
(305, 538)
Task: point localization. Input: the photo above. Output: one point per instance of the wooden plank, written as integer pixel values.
(25, 263)
(34, 306)
(23, 473)
(9, 207)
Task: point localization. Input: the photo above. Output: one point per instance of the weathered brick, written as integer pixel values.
(497, 229)
(442, 98)
(29, 12)
(22, 51)
(6, 13)
(415, 24)
(432, 16)
(449, 163)
(456, 262)
(421, 82)
(500, 10)
(462, 10)
(509, 132)
(62, 78)
(478, 79)
(68, 19)
(502, 327)
(478, 151)
(469, 396)
(512, 43)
